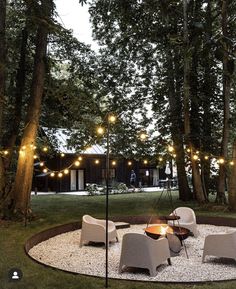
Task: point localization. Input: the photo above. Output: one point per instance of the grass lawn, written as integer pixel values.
(52, 210)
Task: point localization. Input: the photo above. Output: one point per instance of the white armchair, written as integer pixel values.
(187, 219)
(94, 230)
(220, 245)
(141, 251)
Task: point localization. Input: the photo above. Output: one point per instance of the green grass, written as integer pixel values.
(53, 210)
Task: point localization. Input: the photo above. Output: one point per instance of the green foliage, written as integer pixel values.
(120, 188)
(94, 189)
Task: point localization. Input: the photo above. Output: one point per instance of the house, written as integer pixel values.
(67, 171)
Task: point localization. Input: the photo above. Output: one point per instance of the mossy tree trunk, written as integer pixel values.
(24, 173)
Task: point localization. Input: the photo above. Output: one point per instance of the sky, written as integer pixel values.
(73, 15)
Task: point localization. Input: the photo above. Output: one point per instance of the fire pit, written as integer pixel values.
(162, 229)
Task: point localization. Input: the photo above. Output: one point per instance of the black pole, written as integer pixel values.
(107, 193)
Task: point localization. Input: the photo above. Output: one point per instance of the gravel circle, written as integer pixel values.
(63, 252)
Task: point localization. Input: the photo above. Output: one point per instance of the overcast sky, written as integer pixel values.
(73, 15)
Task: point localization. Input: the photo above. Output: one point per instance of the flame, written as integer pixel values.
(163, 230)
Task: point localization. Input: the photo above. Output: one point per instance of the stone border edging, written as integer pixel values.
(52, 232)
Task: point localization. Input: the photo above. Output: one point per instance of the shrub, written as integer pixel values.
(92, 189)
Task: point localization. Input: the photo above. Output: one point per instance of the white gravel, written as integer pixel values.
(63, 252)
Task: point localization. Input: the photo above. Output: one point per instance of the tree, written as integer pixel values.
(24, 173)
(232, 182)
(227, 77)
(197, 182)
(2, 82)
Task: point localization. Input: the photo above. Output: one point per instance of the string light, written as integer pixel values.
(221, 161)
(112, 118)
(100, 130)
(66, 171)
(143, 136)
(170, 149)
(6, 152)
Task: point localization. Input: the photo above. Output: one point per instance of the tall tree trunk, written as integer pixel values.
(19, 92)
(176, 133)
(176, 119)
(232, 181)
(197, 183)
(208, 94)
(24, 173)
(2, 86)
(220, 198)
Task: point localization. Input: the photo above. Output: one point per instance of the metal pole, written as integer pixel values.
(107, 193)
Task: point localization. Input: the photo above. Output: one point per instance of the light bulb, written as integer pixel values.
(221, 161)
(170, 149)
(100, 130)
(112, 118)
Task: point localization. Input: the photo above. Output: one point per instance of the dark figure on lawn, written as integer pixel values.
(132, 179)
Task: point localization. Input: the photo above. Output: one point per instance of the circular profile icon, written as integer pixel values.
(15, 274)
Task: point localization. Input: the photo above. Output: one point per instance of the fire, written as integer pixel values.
(163, 230)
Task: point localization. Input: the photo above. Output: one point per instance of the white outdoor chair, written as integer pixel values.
(220, 245)
(187, 219)
(94, 230)
(141, 251)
